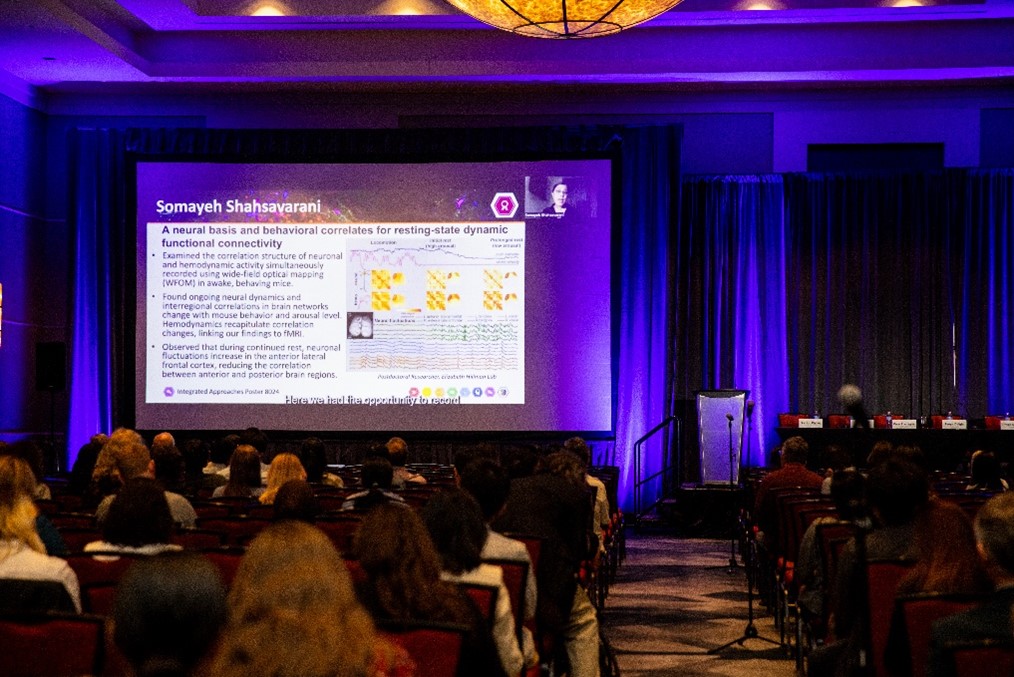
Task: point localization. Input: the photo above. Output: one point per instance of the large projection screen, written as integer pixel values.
(363, 297)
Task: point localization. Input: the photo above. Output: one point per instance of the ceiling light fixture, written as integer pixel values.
(563, 18)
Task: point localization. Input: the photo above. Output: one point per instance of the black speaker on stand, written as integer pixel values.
(51, 376)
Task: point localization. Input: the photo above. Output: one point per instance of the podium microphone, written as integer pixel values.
(728, 417)
(852, 399)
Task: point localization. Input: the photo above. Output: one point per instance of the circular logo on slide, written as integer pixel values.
(490, 391)
(465, 392)
(413, 392)
(503, 392)
(477, 392)
(168, 392)
(426, 392)
(452, 392)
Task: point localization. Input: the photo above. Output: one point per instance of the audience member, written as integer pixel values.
(489, 485)
(847, 494)
(880, 452)
(221, 452)
(836, 457)
(403, 582)
(284, 467)
(295, 501)
(943, 545)
(170, 470)
(32, 454)
(455, 524)
(376, 475)
(793, 473)
(196, 454)
(313, 454)
(244, 474)
(553, 505)
(994, 536)
(397, 454)
(292, 612)
(600, 519)
(986, 475)
(22, 554)
(168, 613)
(125, 457)
(138, 521)
(84, 464)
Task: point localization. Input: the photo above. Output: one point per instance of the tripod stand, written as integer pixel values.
(750, 632)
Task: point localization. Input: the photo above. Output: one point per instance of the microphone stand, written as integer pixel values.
(733, 564)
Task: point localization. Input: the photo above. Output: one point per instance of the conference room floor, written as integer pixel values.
(673, 600)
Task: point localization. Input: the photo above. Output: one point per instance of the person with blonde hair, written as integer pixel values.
(284, 467)
(292, 611)
(22, 554)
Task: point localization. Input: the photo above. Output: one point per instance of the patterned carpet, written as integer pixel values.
(673, 600)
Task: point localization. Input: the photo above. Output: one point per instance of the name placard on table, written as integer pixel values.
(904, 424)
(1006, 425)
(954, 424)
(811, 423)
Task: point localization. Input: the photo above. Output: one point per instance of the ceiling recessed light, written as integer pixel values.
(267, 9)
(759, 6)
(906, 3)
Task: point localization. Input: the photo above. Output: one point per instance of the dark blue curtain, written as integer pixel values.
(900, 283)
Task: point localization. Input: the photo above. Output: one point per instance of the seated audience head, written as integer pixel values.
(837, 457)
(795, 450)
(196, 454)
(256, 438)
(169, 466)
(293, 611)
(123, 457)
(896, 490)
(222, 448)
(563, 464)
(986, 475)
(994, 535)
(30, 452)
(284, 467)
(944, 547)
(519, 462)
(488, 484)
(881, 451)
(244, 471)
(847, 492)
(314, 457)
(459, 533)
(139, 515)
(161, 441)
(168, 613)
(914, 454)
(376, 471)
(397, 452)
(580, 448)
(84, 464)
(295, 501)
(17, 510)
(400, 561)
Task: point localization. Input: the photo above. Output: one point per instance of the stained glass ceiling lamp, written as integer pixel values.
(563, 18)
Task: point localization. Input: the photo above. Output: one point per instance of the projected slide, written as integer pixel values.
(440, 296)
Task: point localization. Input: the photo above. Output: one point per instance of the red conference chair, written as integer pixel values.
(917, 613)
(515, 577)
(227, 560)
(98, 598)
(484, 597)
(435, 647)
(41, 645)
(882, 578)
(100, 567)
(985, 657)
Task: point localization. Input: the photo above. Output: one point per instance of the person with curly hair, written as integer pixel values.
(284, 467)
(403, 583)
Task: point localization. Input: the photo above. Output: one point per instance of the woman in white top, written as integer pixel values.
(455, 523)
(22, 555)
(139, 521)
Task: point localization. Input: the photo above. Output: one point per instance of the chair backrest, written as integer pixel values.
(831, 538)
(198, 539)
(918, 613)
(227, 560)
(340, 529)
(82, 520)
(435, 647)
(23, 595)
(98, 598)
(982, 657)
(882, 578)
(515, 577)
(238, 530)
(99, 567)
(484, 597)
(793, 527)
(51, 644)
(76, 538)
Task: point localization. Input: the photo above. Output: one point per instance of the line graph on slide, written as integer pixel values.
(447, 306)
